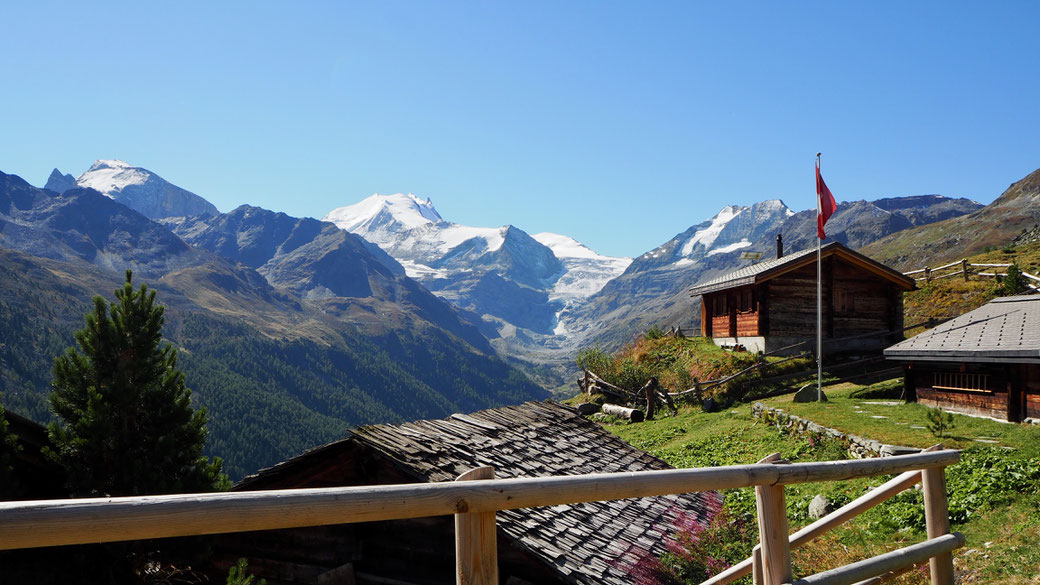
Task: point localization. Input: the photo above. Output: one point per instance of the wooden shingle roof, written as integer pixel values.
(588, 543)
(1005, 329)
(763, 271)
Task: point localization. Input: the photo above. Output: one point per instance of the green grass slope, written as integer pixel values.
(994, 497)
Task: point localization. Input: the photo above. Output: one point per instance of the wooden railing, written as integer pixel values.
(476, 497)
(963, 268)
(936, 519)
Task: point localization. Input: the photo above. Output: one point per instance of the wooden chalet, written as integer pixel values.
(771, 305)
(985, 362)
(592, 543)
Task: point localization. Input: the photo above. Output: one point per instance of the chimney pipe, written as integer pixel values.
(779, 245)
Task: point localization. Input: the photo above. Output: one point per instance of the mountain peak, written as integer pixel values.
(142, 190)
(114, 164)
(407, 210)
(59, 182)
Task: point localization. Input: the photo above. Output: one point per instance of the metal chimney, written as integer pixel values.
(779, 245)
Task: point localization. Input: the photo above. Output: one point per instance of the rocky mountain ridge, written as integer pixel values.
(322, 334)
(137, 188)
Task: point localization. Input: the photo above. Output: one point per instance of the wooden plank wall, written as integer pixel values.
(747, 324)
(791, 299)
(870, 298)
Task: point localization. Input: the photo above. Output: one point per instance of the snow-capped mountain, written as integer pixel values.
(137, 188)
(733, 229)
(585, 271)
(503, 274)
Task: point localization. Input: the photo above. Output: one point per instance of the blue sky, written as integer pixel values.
(617, 123)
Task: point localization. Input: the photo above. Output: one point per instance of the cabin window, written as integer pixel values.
(965, 381)
(747, 300)
(843, 301)
(719, 308)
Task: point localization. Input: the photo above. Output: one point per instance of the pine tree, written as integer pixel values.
(1014, 282)
(938, 421)
(127, 427)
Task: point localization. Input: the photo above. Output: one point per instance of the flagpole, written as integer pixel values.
(819, 291)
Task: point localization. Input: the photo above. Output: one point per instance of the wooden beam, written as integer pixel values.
(891, 561)
(27, 524)
(476, 550)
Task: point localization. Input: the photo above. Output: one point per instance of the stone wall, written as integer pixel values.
(859, 447)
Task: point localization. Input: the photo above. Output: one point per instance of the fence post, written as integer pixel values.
(476, 549)
(927, 274)
(964, 269)
(937, 522)
(772, 530)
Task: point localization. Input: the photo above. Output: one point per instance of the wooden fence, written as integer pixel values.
(476, 496)
(964, 269)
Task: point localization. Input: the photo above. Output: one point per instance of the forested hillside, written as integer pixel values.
(268, 397)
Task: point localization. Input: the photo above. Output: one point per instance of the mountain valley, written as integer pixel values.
(293, 329)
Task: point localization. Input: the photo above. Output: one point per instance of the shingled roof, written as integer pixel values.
(763, 271)
(588, 543)
(1004, 329)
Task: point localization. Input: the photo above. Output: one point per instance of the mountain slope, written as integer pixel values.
(653, 290)
(137, 188)
(316, 260)
(1015, 211)
(278, 372)
(517, 284)
(83, 224)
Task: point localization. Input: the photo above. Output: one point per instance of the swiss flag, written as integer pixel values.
(825, 204)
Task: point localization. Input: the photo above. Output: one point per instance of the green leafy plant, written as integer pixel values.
(938, 422)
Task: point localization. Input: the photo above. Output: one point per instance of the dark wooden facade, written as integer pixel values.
(774, 304)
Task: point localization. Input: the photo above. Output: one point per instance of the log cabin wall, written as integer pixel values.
(861, 302)
(791, 298)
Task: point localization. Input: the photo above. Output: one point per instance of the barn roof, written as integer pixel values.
(763, 271)
(1004, 329)
(587, 543)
